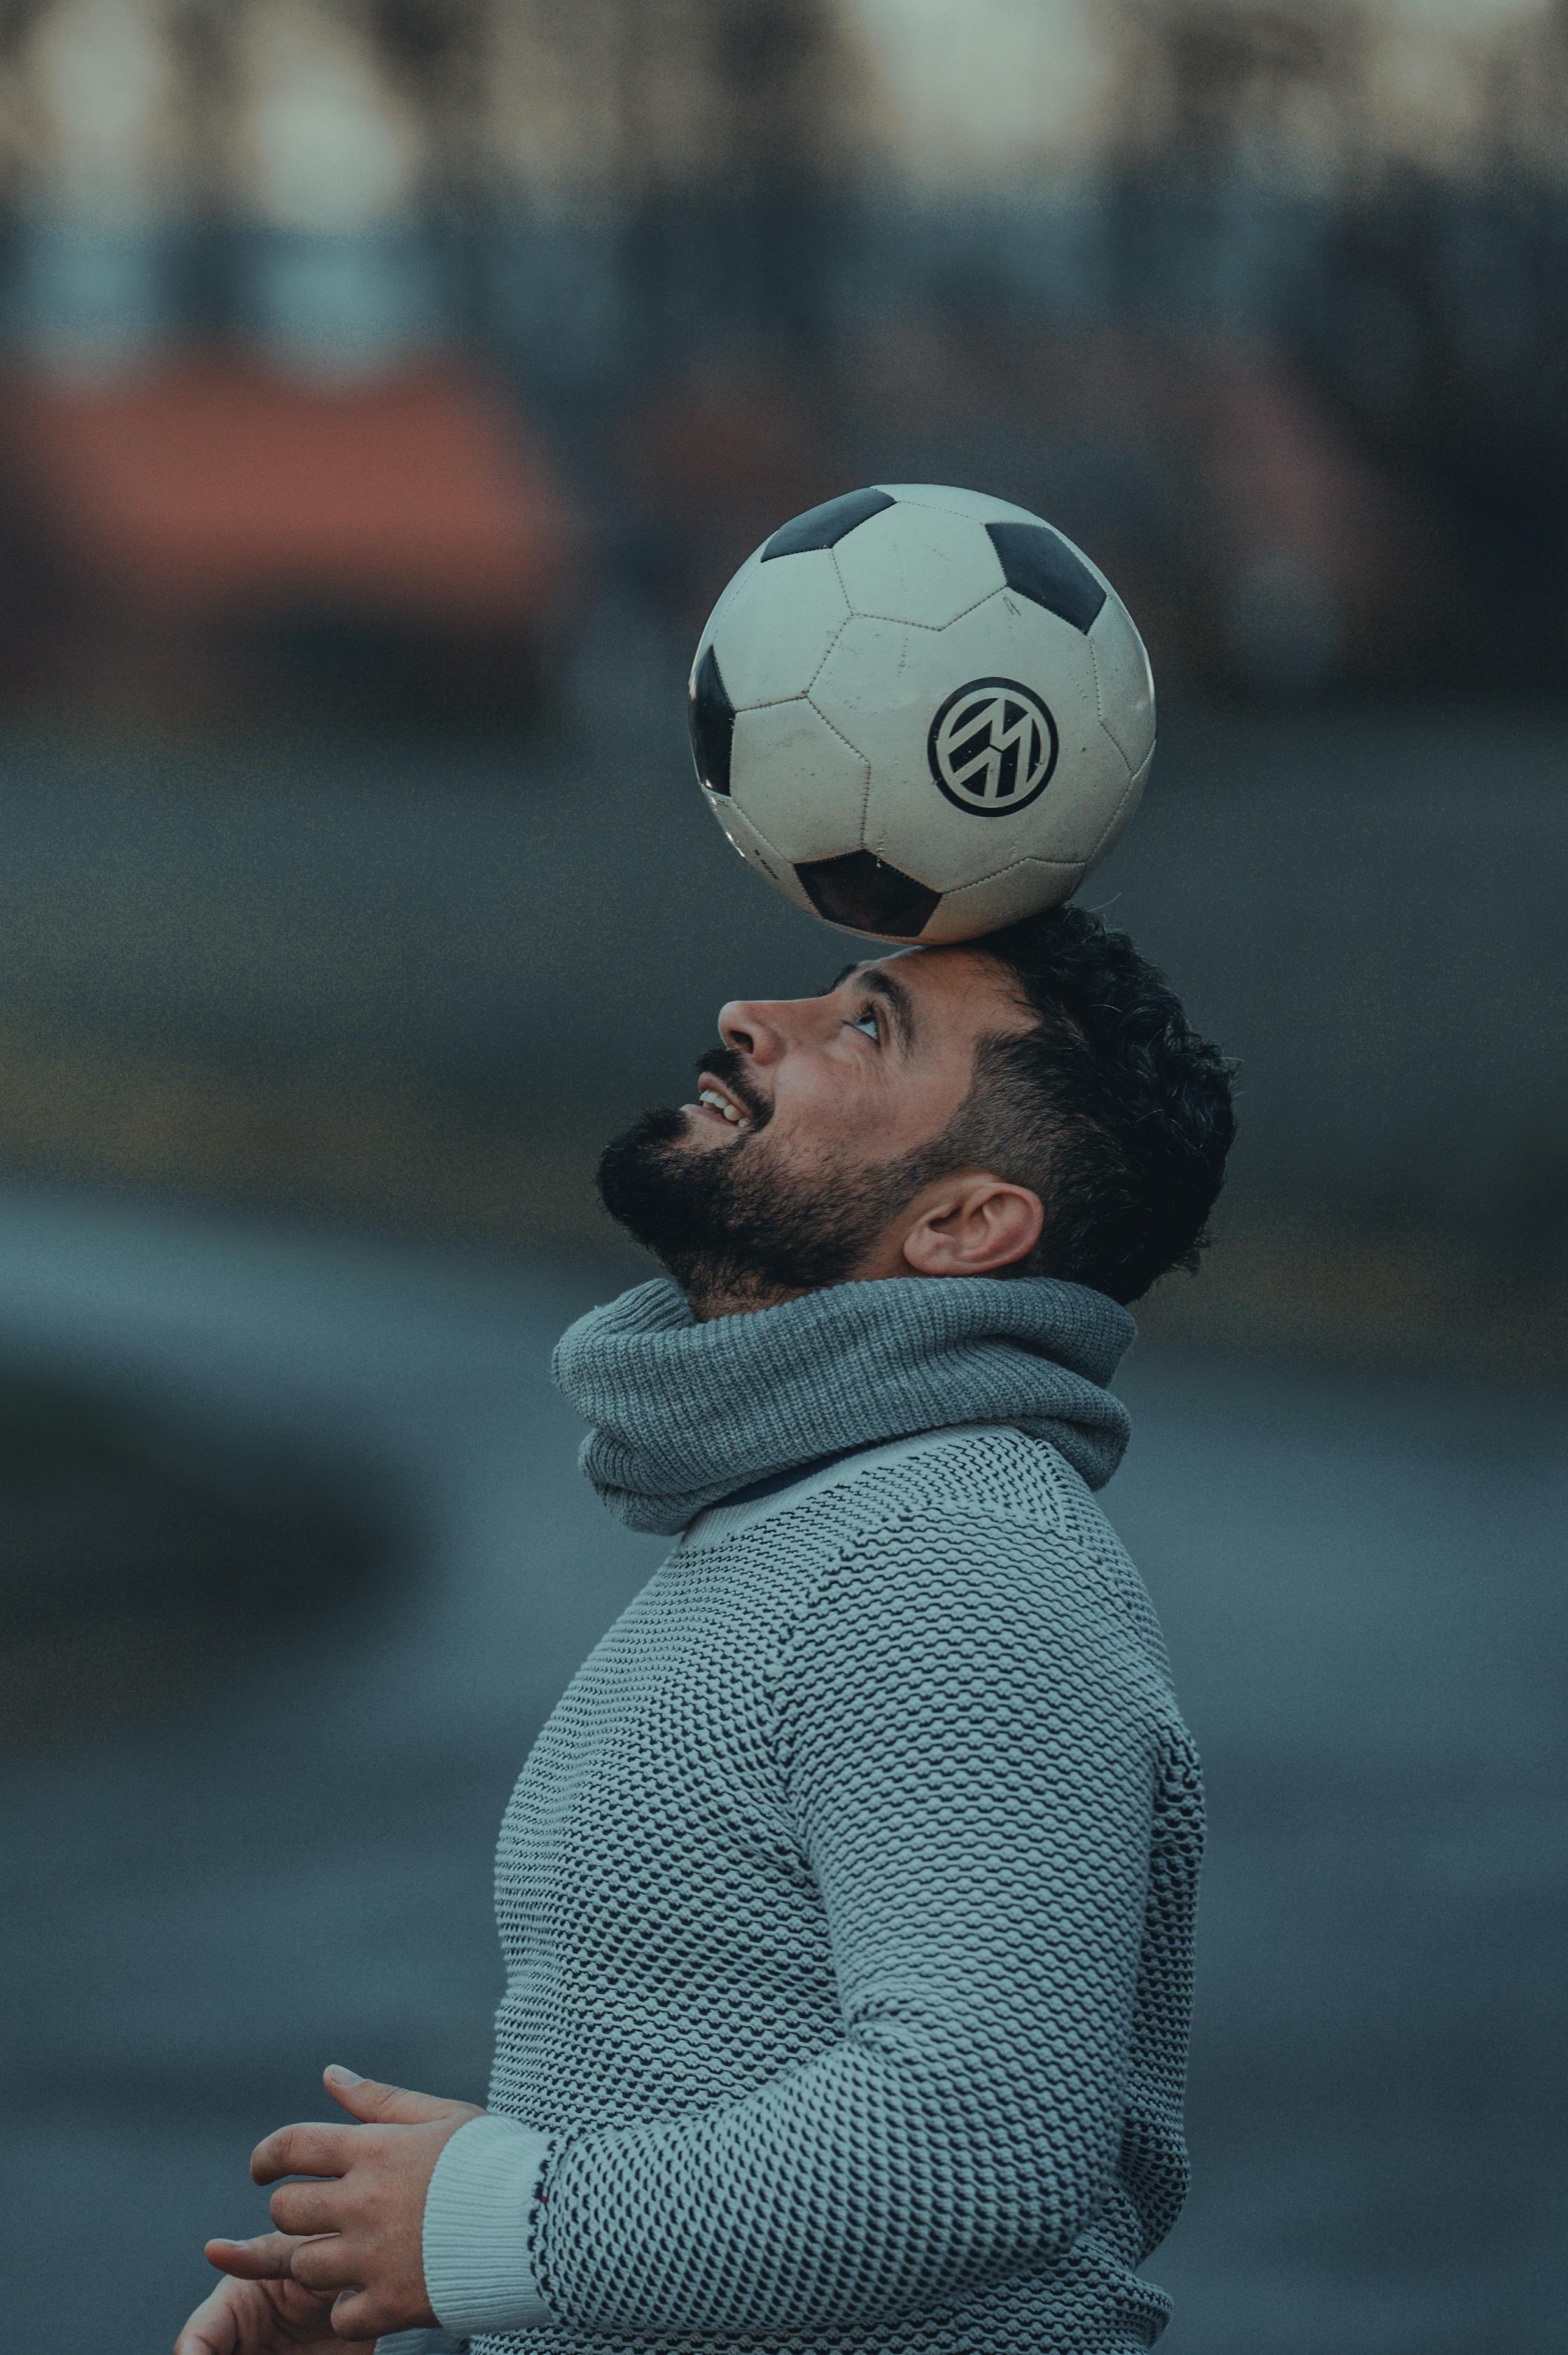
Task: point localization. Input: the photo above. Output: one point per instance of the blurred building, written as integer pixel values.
(1259, 299)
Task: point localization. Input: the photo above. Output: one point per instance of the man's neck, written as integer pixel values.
(732, 1299)
(727, 1291)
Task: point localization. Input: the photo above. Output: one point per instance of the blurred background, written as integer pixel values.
(387, 389)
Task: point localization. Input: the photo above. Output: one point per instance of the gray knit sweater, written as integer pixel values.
(846, 1895)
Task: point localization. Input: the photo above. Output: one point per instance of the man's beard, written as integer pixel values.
(731, 1225)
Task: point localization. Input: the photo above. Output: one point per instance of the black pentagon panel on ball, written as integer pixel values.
(864, 893)
(712, 717)
(1037, 563)
(826, 526)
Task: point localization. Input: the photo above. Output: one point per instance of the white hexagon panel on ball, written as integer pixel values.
(917, 564)
(770, 642)
(798, 781)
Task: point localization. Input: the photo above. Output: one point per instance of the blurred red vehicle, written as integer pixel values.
(212, 533)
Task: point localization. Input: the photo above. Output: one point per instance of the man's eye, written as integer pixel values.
(869, 1023)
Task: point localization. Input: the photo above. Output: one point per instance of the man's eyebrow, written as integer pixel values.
(880, 983)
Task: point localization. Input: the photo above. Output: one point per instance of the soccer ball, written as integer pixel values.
(922, 713)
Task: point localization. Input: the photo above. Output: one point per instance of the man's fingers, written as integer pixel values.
(262, 2318)
(213, 2329)
(266, 2256)
(308, 2208)
(302, 2150)
(321, 2266)
(357, 2315)
(367, 2098)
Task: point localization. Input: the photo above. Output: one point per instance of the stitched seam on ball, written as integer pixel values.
(901, 621)
(1099, 691)
(848, 617)
(1023, 858)
(772, 702)
(787, 864)
(765, 839)
(1100, 712)
(928, 507)
(1100, 715)
(1130, 787)
(777, 702)
(1020, 515)
(864, 759)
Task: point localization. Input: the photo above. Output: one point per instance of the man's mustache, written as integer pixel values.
(727, 1065)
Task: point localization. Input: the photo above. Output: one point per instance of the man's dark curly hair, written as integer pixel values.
(1112, 1108)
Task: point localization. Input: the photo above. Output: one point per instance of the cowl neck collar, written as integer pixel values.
(683, 1414)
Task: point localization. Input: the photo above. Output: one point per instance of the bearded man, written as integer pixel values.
(846, 1895)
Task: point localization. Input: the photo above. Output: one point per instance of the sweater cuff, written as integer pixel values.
(476, 2271)
(422, 2342)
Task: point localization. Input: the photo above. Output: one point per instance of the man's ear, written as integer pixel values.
(972, 1225)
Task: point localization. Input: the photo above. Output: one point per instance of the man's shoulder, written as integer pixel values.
(991, 1467)
(989, 1511)
(1002, 1486)
(984, 1474)
(986, 1548)
(979, 1540)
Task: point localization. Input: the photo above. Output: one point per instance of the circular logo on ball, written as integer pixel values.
(992, 747)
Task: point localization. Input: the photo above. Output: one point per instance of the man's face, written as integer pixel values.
(810, 1122)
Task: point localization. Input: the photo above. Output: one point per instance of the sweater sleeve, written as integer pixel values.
(968, 1752)
(478, 2212)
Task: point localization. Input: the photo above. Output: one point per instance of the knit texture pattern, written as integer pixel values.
(678, 1407)
(846, 1895)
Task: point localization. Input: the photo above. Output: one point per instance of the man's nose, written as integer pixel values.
(760, 1028)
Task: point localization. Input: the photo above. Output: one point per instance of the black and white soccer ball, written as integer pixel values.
(920, 713)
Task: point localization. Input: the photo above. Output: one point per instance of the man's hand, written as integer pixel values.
(263, 2310)
(346, 2263)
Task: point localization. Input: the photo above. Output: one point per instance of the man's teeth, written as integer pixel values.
(732, 1113)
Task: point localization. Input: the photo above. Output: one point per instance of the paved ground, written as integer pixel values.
(1360, 1582)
